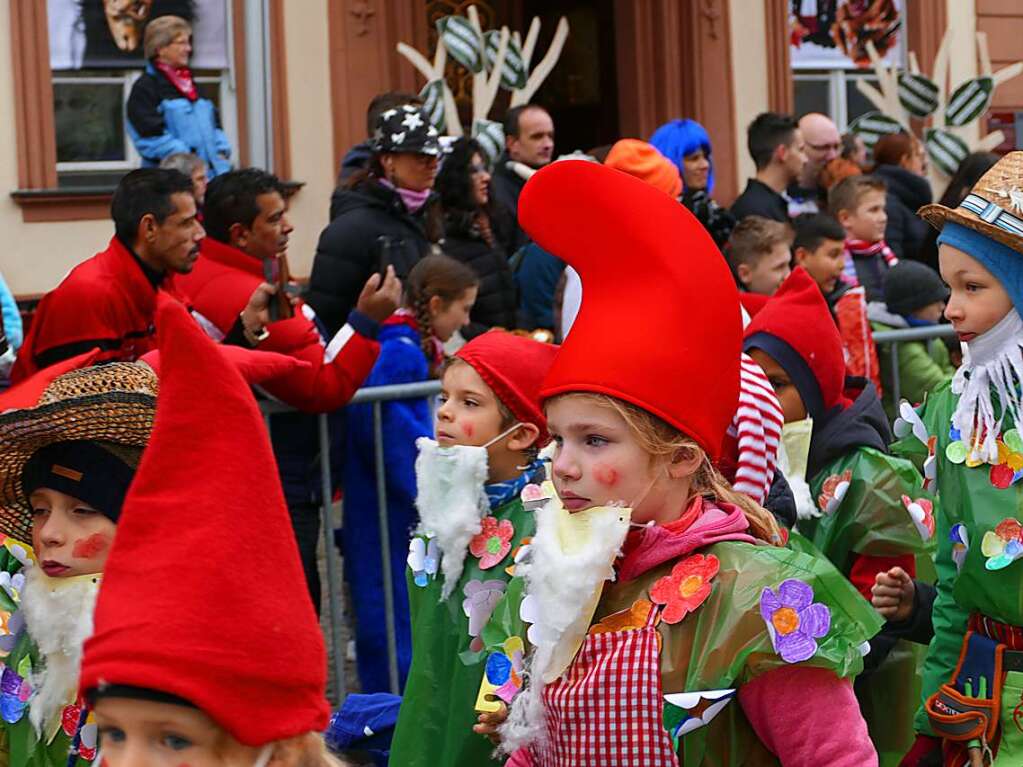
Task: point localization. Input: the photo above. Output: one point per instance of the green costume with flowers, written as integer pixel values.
(438, 707)
(20, 744)
(867, 500)
(977, 560)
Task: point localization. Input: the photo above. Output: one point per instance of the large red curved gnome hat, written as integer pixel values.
(660, 325)
(203, 596)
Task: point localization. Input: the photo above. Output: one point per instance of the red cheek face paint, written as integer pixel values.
(91, 547)
(605, 475)
(468, 428)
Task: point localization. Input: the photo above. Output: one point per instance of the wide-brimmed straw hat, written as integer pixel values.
(994, 207)
(112, 404)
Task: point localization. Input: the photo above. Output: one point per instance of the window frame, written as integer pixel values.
(838, 81)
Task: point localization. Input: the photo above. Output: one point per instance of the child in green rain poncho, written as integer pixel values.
(472, 526)
(968, 434)
(871, 513)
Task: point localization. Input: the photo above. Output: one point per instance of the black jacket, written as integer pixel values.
(349, 250)
(862, 424)
(907, 193)
(497, 300)
(505, 188)
(758, 199)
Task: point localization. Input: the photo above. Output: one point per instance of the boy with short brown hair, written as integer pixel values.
(858, 202)
(759, 254)
(819, 247)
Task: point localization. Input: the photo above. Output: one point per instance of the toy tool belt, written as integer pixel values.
(967, 707)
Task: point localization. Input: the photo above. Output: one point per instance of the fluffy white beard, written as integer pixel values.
(451, 501)
(58, 616)
(570, 558)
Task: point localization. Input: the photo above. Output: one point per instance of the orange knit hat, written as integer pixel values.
(640, 159)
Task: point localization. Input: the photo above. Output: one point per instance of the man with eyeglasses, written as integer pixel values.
(823, 143)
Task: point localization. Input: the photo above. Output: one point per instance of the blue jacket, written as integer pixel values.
(161, 121)
(401, 361)
(12, 317)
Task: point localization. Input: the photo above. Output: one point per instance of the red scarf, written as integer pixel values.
(180, 78)
(864, 249)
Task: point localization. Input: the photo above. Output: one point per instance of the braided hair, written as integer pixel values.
(435, 275)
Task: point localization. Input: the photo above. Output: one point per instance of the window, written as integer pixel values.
(93, 147)
(832, 92)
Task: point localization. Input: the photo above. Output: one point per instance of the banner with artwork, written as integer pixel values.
(833, 34)
(108, 34)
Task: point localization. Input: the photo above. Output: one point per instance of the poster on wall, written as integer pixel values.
(833, 34)
(108, 34)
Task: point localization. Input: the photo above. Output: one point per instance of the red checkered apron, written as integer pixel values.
(606, 709)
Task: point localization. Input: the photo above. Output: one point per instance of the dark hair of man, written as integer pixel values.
(231, 199)
(511, 118)
(767, 132)
(384, 101)
(814, 228)
(142, 192)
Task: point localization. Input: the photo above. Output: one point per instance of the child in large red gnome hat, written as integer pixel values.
(473, 525)
(206, 647)
(689, 638)
(871, 512)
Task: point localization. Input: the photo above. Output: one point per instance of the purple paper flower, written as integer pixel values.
(794, 620)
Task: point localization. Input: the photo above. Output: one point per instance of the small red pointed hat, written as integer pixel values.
(203, 596)
(659, 325)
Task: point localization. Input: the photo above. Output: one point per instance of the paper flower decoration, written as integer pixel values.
(688, 711)
(833, 491)
(14, 695)
(493, 542)
(481, 597)
(422, 560)
(686, 588)
(1003, 545)
(504, 669)
(11, 625)
(539, 633)
(909, 422)
(960, 544)
(794, 620)
(518, 555)
(12, 584)
(19, 551)
(921, 511)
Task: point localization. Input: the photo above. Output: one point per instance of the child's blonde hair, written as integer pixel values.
(663, 442)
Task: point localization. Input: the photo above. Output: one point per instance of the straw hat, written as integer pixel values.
(994, 207)
(112, 403)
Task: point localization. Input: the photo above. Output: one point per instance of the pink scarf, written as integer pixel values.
(180, 78)
(864, 249)
(414, 201)
(645, 549)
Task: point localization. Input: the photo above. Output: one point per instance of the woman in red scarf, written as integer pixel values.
(165, 113)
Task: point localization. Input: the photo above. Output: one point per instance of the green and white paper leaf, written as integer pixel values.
(432, 95)
(873, 125)
(969, 101)
(945, 149)
(513, 73)
(490, 136)
(462, 42)
(917, 94)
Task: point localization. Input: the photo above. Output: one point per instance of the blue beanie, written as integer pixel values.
(1002, 261)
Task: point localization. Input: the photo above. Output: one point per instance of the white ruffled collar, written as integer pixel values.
(992, 364)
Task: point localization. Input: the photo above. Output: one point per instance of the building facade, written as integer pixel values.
(294, 78)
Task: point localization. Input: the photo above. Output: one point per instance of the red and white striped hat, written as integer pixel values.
(751, 445)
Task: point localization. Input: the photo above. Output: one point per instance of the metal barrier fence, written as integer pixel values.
(901, 336)
(376, 396)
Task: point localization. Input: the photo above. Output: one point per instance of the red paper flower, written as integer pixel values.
(493, 542)
(686, 588)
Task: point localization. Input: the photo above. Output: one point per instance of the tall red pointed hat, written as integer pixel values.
(659, 324)
(203, 596)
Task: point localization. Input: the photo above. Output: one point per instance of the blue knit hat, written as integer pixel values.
(1003, 262)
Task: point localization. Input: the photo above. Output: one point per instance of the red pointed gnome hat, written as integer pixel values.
(659, 324)
(796, 328)
(203, 596)
(514, 367)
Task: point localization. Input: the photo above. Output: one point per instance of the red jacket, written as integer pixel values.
(107, 302)
(219, 287)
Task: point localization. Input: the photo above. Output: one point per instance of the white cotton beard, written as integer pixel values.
(571, 556)
(451, 500)
(793, 456)
(58, 616)
(991, 361)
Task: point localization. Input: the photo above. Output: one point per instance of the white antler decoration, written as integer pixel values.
(432, 72)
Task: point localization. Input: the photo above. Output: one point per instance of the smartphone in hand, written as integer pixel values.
(275, 271)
